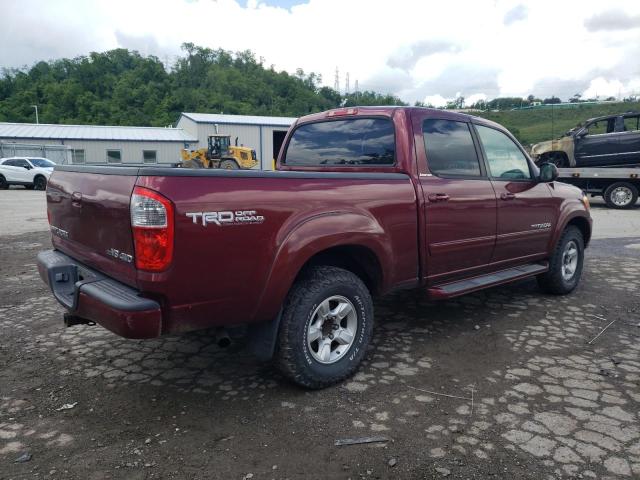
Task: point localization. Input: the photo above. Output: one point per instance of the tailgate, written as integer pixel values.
(88, 210)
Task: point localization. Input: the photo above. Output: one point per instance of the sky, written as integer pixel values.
(430, 51)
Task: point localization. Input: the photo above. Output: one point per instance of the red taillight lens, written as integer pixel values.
(152, 225)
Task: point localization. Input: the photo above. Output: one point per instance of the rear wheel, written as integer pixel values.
(3, 183)
(229, 165)
(621, 195)
(326, 326)
(565, 266)
(40, 183)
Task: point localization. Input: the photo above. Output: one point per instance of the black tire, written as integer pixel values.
(3, 183)
(229, 165)
(621, 195)
(556, 281)
(294, 355)
(40, 183)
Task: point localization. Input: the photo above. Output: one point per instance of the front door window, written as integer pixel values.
(506, 161)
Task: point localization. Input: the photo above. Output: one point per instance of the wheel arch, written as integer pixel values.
(547, 156)
(578, 220)
(583, 225)
(358, 259)
(351, 240)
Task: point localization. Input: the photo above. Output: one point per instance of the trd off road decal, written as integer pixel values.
(238, 217)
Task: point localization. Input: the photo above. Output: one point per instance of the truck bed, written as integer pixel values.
(219, 270)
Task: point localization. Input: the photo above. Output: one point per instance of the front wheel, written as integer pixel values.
(558, 159)
(40, 183)
(326, 326)
(229, 165)
(565, 266)
(621, 195)
(3, 183)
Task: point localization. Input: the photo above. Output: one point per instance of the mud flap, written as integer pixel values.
(262, 337)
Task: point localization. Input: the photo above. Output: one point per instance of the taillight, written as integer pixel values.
(152, 225)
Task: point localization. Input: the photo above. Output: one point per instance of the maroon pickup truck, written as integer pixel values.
(365, 201)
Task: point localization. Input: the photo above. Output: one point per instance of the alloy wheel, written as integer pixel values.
(332, 329)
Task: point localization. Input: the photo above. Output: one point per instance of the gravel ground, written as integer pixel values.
(498, 384)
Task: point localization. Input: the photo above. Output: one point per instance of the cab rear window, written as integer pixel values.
(348, 142)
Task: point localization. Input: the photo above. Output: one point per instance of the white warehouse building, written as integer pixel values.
(263, 134)
(96, 144)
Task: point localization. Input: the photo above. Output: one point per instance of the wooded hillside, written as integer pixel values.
(122, 87)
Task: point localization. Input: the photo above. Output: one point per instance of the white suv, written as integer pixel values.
(32, 172)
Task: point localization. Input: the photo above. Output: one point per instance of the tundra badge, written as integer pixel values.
(59, 232)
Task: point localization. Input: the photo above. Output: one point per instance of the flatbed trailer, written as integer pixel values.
(618, 186)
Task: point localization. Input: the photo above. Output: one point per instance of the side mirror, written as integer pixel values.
(548, 172)
(582, 133)
(27, 167)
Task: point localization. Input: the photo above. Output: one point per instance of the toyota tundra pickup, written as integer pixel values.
(364, 201)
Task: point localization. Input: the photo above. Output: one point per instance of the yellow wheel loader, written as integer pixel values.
(220, 154)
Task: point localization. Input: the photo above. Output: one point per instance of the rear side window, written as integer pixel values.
(20, 163)
(356, 141)
(450, 149)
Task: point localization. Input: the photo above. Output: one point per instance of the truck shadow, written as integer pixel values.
(407, 326)
(411, 335)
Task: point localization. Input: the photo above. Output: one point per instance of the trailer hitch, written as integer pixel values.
(71, 320)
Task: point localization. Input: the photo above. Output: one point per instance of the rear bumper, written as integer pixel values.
(88, 294)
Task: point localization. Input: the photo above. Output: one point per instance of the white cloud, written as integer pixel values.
(601, 88)
(435, 100)
(476, 97)
(412, 48)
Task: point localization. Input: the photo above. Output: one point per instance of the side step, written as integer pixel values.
(454, 289)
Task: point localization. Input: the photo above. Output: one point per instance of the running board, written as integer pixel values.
(454, 289)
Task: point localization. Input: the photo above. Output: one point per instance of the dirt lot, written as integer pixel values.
(528, 396)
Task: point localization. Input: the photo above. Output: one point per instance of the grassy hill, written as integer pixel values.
(535, 124)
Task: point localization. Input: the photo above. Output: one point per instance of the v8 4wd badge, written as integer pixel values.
(227, 217)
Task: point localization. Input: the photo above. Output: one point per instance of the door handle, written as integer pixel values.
(438, 197)
(507, 196)
(76, 199)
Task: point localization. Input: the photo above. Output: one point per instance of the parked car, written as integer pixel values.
(366, 200)
(32, 172)
(608, 141)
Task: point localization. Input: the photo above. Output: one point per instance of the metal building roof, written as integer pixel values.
(92, 132)
(240, 119)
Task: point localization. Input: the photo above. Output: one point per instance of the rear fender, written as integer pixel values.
(312, 236)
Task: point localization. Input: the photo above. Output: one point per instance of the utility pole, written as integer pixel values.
(552, 121)
(36, 107)
(336, 83)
